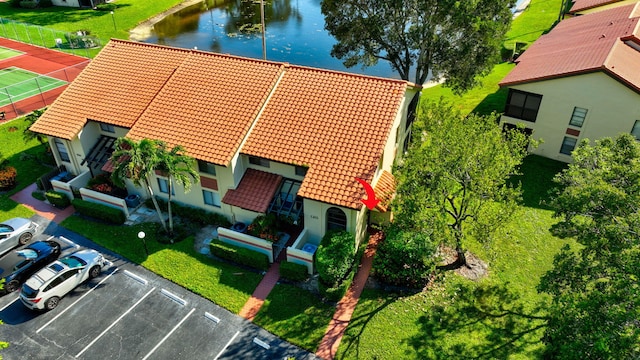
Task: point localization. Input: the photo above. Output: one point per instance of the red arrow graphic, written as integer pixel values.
(371, 200)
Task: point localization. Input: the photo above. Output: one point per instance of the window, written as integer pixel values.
(62, 150)
(523, 105)
(336, 219)
(301, 170)
(258, 161)
(211, 198)
(578, 116)
(107, 128)
(636, 130)
(206, 167)
(568, 144)
(163, 185)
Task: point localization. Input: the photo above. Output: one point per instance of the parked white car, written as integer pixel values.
(14, 232)
(44, 289)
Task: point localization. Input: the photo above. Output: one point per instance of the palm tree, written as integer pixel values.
(28, 135)
(136, 161)
(176, 165)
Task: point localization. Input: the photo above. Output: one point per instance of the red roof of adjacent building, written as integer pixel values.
(581, 5)
(606, 41)
(385, 189)
(255, 191)
(333, 122)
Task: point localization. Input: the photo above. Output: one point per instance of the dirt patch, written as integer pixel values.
(474, 270)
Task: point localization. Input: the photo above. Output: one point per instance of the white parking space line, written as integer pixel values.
(212, 317)
(169, 334)
(114, 323)
(135, 277)
(9, 304)
(261, 343)
(80, 298)
(174, 297)
(227, 345)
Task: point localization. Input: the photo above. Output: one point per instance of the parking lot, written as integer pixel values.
(130, 313)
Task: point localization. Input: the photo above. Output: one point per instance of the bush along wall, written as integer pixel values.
(99, 211)
(194, 214)
(58, 199)
(294, 272)
(335, 259)
(240, 255)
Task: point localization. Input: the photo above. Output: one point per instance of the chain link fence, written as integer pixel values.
(79, 43)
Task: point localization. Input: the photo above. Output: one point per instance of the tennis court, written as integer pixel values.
(17, 84)
(6, 53)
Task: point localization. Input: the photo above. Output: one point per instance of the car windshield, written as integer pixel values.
(27, 253)
(28, 292)
(73, 261)
(4, 229)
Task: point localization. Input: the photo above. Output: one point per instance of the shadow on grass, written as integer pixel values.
(52, 15)
(537, 180)
(492, 102)
(486, 322)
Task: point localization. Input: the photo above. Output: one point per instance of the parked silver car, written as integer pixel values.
(16, 231)
(44, 289)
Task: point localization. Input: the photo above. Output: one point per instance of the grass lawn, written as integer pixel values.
(127, 15)
(224, 284)
(25, 158)
(295, 315)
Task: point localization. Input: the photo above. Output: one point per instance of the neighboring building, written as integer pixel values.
(582, 7)
(581, 80)
(268, 136)
(77, 3)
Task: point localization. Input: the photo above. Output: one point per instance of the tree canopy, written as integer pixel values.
(451, 39)
(596, 289)
(453, 180)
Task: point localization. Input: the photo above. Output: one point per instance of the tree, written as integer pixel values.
(450, 39)
(136, 161)
(176, 165)
(28, 135)
(453, 182)
(595, 289)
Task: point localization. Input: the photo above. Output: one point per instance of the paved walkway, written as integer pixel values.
(253, 305)
(40, 207)
(331, 340)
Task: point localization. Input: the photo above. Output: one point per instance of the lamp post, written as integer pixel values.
(114, 21)
(141, 235)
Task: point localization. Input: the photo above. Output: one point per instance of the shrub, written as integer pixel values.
(335, 257)
(106, 7)
(99, 211)
(8, 176)
(194, 214)
(15, 3)
(38, 195)
(58, 199)
(28, 4)
(264, 227)
(240, 255)
(45, 3)
(293, 271)
(405, 258)
(335, 293)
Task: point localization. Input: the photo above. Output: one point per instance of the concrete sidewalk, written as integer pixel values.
(42, 208)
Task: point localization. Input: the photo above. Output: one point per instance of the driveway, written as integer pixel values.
(131, 313)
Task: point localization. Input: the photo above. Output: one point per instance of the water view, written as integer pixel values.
(294, 32)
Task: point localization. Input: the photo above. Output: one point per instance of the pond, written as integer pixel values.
(294, 32)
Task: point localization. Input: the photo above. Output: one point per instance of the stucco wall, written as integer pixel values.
(315, 219)
(612, 109)
(70, 3)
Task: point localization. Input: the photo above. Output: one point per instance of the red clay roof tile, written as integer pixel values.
(581, 5)
(587, 43)
(255, 191)
(385, 189)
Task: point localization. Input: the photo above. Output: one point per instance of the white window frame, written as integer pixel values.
(565, 146)
(62, 149)
(215, 198)
(578, 116)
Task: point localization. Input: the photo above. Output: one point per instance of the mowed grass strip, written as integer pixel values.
(17, 84)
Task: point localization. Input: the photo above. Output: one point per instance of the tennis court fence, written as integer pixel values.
(77, 43)
(37, 92)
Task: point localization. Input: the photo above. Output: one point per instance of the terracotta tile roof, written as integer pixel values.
(587, 43)
(115, 88)
(581, 5)
(208, 105)
(255, 191)
(335, 123)
(385, 189)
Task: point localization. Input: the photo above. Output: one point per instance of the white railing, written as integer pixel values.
(104, 199)
(246, 241)
(301, 252)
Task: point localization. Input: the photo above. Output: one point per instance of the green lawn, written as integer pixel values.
(226, 285)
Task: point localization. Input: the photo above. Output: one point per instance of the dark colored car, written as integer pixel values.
(19, 265)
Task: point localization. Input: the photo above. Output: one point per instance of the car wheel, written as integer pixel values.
(12, 286)
(94, 272)
(25, 238)
(51, 303)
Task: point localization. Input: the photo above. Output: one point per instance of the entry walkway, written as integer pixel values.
(42, 208)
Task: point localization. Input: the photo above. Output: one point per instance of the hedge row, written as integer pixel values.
(240, 255)
(99, 211)
(293, 271)
(335, 293)
(194, 214)
(58, 199)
